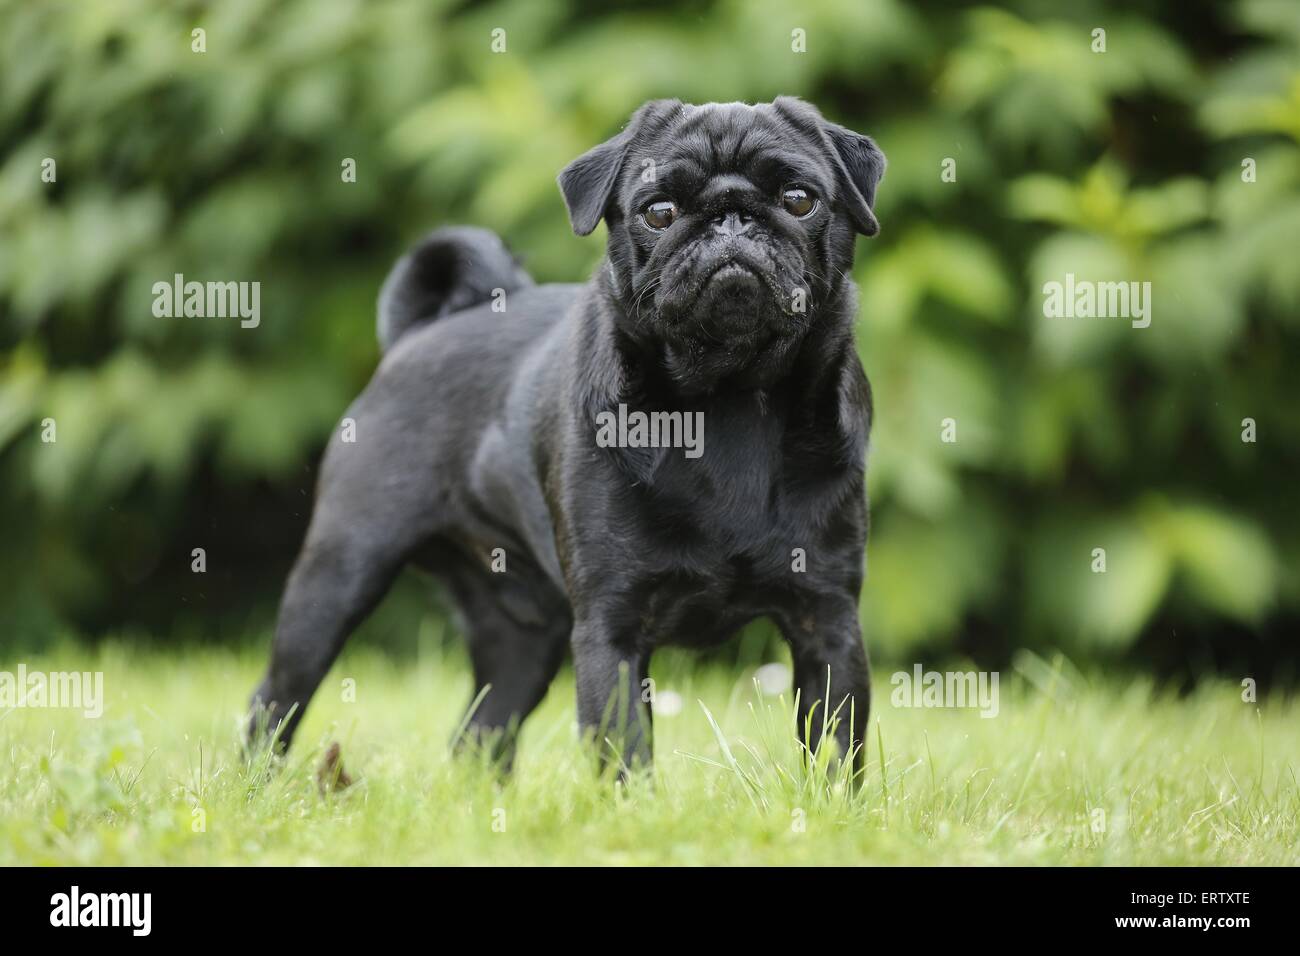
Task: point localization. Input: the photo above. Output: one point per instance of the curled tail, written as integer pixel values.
(450, 269)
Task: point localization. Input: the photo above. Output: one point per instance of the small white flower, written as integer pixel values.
(667, 703)
(773, 679)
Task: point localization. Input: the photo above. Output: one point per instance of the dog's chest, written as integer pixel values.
(755, 486)
(732, 541)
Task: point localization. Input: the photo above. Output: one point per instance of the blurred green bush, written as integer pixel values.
(1072, 435)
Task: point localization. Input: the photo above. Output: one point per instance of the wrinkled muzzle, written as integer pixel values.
(730, 285)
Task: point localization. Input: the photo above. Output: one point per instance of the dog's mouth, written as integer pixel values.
(730, 270)
(720, 293)
(729, 314)
(732, 280)
(731, 284)
(737, 296)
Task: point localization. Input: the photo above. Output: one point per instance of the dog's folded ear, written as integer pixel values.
(858, 160)
(864, 165)
(588, 182)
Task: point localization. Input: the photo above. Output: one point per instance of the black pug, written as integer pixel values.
(484, 449)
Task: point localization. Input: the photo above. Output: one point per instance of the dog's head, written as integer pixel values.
(729, 227)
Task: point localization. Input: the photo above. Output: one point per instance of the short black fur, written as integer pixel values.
(478, 432)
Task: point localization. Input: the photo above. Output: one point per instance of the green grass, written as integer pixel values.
(1203, 779)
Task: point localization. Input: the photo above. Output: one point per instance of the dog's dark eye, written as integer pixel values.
(659, 215)
(798, 202)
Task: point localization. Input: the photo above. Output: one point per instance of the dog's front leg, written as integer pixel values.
(831, 675)
(613, 709)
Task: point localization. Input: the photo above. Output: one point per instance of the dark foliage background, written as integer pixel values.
(174, 434)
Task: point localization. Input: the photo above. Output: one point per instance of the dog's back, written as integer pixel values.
(457, 317)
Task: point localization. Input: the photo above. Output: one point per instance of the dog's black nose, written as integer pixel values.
(732, 223)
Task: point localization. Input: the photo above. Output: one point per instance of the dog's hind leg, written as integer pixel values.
(517, 625)
(335, 583)
(361, 535)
